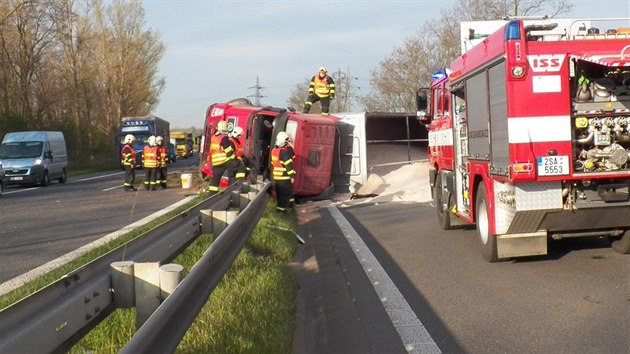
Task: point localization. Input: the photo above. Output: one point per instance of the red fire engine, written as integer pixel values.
(313, 138)
(529, 136)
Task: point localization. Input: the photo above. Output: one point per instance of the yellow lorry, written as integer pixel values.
(183, 143)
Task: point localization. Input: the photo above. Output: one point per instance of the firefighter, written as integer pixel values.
(222, 153)
(162, 156)
(321, 88)
(282, 171)
(243, 162)
(150, 164)
(128, 154)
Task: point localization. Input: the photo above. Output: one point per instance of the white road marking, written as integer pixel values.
(414, 336)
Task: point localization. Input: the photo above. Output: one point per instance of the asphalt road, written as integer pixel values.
(575, 300)
(40, 224)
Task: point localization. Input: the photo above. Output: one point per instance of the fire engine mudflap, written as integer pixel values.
(529, 134)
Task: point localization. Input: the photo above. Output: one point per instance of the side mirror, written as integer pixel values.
(49, 154)
(422, 103)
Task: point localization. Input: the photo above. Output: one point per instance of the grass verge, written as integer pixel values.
(252, 310)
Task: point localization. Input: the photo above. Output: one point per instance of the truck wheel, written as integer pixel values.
(443, 212)
(488, 241)
(621, 244)
(45, 179)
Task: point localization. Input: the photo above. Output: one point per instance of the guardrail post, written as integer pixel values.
(123, 284)
(147, 284)
(170, 276)
(215, 221)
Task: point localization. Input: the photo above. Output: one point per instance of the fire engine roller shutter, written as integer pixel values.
(477, 108)
(498, 120)
(607, 60)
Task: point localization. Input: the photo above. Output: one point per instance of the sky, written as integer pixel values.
(217, 50)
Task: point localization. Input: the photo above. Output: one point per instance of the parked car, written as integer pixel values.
(171, 152)
(34, 157)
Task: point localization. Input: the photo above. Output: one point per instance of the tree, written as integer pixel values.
(410, 66)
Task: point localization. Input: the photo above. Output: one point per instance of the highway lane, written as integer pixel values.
(40, 224)
(575, 300)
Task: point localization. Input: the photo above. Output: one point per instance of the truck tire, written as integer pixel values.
(488, 240)
(443, 213)
(621, 244)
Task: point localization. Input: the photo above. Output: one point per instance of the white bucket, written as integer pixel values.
(186, 180)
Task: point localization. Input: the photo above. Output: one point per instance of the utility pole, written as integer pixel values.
(257, 93)
(344, 90)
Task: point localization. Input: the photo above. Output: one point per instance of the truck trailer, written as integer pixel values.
(529, 135)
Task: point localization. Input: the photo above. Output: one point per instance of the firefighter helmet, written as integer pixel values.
(238, 131)
(158, 139)
(129, 139)
(321, 68)
(221, 126)
(151, 140)
(282, 138)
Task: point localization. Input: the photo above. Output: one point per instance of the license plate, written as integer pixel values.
(15, 178)
(553, 165)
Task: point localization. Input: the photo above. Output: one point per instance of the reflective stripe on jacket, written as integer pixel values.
(238, 148)
(282, 163)
(322, 87)
(221, 150)
(150, 157)
(128, 154)
(162, 156)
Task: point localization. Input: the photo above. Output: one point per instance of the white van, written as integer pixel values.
(34, 157)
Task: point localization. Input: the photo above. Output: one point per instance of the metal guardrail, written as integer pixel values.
(56, 317)
(163, 331)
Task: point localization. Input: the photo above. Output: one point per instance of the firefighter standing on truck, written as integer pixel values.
(321, 88)
(283, 172)
(150, 164)
(162, 162)
(128, 154)
(222, 153)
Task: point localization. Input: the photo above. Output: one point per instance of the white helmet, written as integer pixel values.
(129, 139)
(321, 68)
(282, 138)
(238, 131)
(151, 140)
(159, 139)
(221, 126)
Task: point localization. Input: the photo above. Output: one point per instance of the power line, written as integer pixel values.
(257, 93)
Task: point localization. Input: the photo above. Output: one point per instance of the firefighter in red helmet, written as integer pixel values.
(321, 88)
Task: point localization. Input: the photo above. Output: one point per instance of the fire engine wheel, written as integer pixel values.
(488, 241)
(621, 244)
(444, 215)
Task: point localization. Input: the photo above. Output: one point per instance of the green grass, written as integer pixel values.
(252, 310)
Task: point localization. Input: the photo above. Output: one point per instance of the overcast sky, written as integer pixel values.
(217, 49)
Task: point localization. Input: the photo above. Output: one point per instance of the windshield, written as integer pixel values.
(20, 150)
(140, 139)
